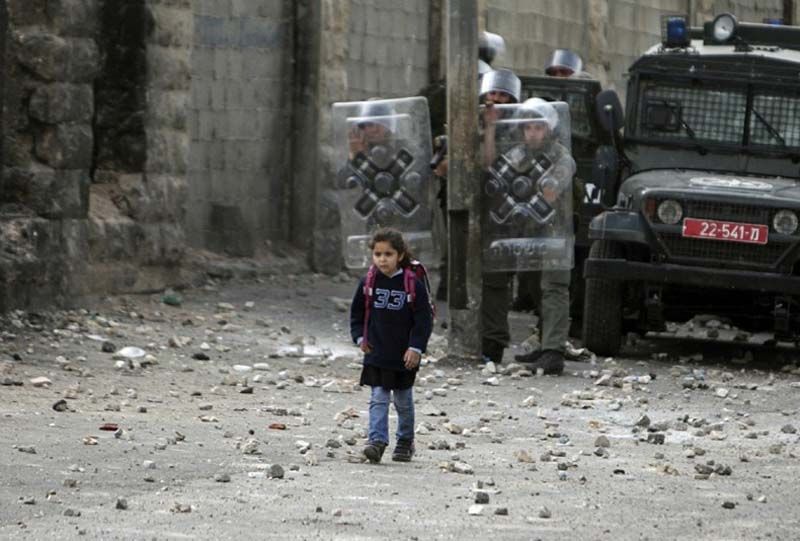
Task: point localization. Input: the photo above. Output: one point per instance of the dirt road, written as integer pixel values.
(262, 439)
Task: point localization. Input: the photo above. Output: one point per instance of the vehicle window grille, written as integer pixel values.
(779, 112)
(713, 114)
(579, 113)
(714, 210)
(731, 253)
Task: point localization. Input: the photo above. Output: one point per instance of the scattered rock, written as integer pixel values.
(602, 441)
(222, 478)
(475, 510)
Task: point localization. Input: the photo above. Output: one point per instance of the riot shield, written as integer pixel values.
(528, 188)
(384, 147)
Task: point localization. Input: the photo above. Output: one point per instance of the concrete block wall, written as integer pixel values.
(240, 111)
(387, 47)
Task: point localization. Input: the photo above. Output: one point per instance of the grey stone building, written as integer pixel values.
(138, 131)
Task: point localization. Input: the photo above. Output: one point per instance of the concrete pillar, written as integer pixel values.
(463, 194)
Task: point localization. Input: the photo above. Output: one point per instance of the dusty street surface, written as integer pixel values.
(262, 439)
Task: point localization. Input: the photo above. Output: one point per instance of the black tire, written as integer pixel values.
(602, 309)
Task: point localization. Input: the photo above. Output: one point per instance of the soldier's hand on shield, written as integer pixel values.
(357, 141)
(549, 187)
(411, 359)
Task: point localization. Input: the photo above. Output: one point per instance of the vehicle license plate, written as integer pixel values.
(730, 231)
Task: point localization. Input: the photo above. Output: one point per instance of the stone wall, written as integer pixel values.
(136, 239)
(49, 68)
(240, 116)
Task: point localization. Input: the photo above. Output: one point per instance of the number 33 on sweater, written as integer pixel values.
(389, 298)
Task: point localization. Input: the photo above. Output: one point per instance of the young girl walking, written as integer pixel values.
(393, 333)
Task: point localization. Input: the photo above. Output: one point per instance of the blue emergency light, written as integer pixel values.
(674, 31)
(773, 21)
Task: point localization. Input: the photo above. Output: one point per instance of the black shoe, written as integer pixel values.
(551, 361)
(531, 357)
(374, 451)
(403, 451)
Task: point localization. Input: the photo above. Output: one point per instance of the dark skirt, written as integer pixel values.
(375, 376)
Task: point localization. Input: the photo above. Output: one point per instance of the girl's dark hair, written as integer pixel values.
(395, 240)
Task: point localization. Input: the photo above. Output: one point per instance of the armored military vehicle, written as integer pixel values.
(702, 187)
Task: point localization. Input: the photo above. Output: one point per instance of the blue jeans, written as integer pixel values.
(379, 414)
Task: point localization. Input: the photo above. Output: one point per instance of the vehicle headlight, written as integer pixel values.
(669, 212)
(724, 27)
(785, 222)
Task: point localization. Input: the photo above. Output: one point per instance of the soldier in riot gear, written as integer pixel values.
(500, 86)
(530, 186)
(562, 63)
(554, 283)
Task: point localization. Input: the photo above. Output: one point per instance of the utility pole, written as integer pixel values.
(464, 173)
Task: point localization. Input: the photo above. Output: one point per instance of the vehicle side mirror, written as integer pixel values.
(609, 111)
(605, 169)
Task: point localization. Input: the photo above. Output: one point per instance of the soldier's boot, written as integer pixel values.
(551, 361)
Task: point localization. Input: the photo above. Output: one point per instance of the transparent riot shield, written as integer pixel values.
(528, 188)
(384, 147)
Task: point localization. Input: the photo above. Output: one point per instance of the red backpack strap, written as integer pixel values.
(369, 286)
(410, 283)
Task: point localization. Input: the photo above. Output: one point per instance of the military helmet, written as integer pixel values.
(563, 62)
(538, 110)
(377, 112)
(489, 46)
(501, 80)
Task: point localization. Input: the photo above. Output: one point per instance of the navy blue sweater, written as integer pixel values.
(394, 326)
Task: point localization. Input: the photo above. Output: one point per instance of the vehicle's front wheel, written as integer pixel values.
(602, 309)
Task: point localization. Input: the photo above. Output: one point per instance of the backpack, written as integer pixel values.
(415, 271)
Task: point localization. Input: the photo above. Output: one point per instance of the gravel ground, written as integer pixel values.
(675, 440)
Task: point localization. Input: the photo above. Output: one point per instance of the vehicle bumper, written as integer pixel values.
(634, 271)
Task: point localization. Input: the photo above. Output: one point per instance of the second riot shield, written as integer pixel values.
(527, 189)
(384, 148)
